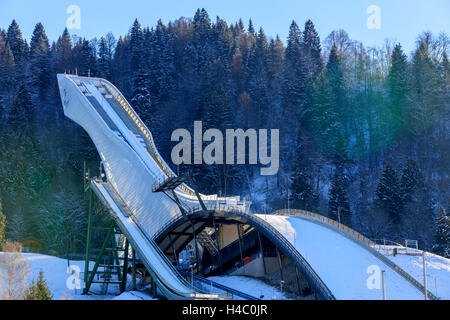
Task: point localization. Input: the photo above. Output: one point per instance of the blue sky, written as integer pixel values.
(401, 20)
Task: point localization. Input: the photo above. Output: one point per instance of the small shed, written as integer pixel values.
(31, 245)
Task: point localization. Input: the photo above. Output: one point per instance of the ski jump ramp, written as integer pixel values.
(333, 263)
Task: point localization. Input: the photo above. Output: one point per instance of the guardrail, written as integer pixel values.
(340, 226)
(229, 291)
(359, 239)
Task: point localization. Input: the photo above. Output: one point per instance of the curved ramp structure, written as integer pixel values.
(327, 259)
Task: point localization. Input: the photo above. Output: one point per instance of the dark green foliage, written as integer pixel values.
(338, 198)
(39, 290)
(442, 234)
(388, 192)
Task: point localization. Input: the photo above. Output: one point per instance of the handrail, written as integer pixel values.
(214, 284)
(340, 226)
(359, 239)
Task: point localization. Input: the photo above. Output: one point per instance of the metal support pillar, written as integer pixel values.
(196, 246)
(88, 241)
(240, 246)
(298, 282)
(173, 250)
(125, 267)
(279, 263)
(262, 252)
(98, 260)
(218, 246)
(133, 266)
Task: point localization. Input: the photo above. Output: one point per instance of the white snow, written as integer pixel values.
(251, 286)
(437, 268)
(339, 262)
(55, 273)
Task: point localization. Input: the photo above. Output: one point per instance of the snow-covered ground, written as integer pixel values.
(437, 268)
(251, 286)
(61, 283)
(344, 266)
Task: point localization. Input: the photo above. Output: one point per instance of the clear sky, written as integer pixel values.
(401, 20)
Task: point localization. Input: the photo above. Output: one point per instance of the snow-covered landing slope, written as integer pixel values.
(339, 262)
(438, 271)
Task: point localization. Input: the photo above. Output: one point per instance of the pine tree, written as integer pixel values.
(411, 181)
(136, 46)
(64, 53)
(398, 86)
(39, 290)
(442, 234)
(302, 188)
(39, 59)
(312, 50)
(338, 203)
(388, 192)
(16, 41)
(22, 111)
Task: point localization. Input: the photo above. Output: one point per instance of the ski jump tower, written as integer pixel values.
(157, 212)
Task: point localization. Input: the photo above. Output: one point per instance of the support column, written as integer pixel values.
(240, 246)
(173, 250)
(262, 252)
(196, 246)
(133, 266)
(125, 267)
(218, 246)
(279, 263)
(88, 241)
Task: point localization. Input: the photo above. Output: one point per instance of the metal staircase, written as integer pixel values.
(204, 238)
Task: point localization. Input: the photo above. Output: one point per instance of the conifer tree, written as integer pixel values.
(338, 203)
(388, 192)
(39, 290)
(22, 110)
(16, 42)
(39, 60)
(398, 85)
(442, 234)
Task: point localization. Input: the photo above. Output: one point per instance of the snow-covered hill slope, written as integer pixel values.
(437, 268)
(344, 266)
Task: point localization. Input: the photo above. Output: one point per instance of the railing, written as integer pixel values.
(230, 292)
(340, 226)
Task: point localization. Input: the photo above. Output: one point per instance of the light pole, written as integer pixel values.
(424, 276)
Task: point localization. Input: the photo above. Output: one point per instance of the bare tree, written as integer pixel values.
(14, 270)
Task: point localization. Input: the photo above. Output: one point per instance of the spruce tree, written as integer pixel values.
(411, 181)
(388, 192)
(442, 234)
(16, 42)
(39, 290)
(22, 112)
(302, 187)
(312, 50)
(39, 59)
(398, 85)
(338, 202)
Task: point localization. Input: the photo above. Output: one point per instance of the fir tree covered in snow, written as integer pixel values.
(442, 234)
(338, 205)
(389, 192)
